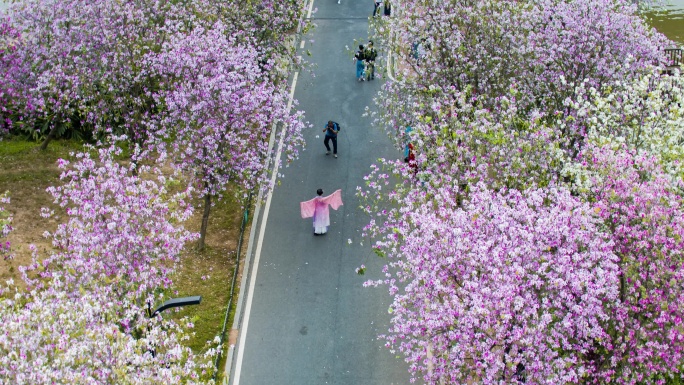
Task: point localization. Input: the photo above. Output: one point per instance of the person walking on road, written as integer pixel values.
(360, 59)
(318, 208)
(331, 129)
(370, 55)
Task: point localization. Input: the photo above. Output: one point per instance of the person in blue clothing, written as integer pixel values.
(360, 58)
(407, 142)
(331, 129)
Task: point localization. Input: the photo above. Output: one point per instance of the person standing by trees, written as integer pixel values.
(377, 6)
(388, 8)
(370, 55)
(360, 57)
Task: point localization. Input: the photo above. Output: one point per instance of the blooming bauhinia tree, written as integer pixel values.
(269, 25)
(86, 58)
(508, 101)
(642, 208)
(85, 61)
(84, 317)
(54, 335)
(592, 42)
(459, 140)
(13, 77)
(122, 229)
(543, 50)
(504, 286)
(221, 112)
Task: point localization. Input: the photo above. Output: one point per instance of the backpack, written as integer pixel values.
(336, 126)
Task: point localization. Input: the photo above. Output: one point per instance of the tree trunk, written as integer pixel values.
(49, 138)
(205, 221)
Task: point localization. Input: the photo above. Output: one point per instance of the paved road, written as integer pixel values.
(310, 320)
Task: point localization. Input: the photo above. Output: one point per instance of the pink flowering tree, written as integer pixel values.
(269, 25)
(460, 141)
(13, 77)
(503, 286)
(508, 102)
(542, 50)
(599, 44)
(84, 317)
(584, 42)
(220, 113)
(87, 58)
(471, 44)
(54, 335)
(124, 229)
(85, 63)
(642, 209)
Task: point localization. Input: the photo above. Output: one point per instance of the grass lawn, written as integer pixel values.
(209, 274)
(25, 174)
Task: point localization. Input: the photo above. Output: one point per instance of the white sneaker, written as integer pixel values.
(327, 153)
(335, 155)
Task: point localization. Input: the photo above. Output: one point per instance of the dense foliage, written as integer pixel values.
(83, 316)
(537, 235)
(80, 67)
(169, 93)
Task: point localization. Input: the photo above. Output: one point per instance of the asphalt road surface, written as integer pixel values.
(309, 320)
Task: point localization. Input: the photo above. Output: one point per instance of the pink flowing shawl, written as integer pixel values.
(318, 208)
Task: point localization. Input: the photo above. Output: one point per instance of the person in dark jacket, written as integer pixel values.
(360, 59)
(370, 54)
(331, 129)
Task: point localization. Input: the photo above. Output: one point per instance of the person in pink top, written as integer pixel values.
(318, 208)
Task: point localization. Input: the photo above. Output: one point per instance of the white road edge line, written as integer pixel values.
(257, 254)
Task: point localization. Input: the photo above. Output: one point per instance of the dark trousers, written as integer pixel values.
(375, 10)
(334, 140)
(370, 69)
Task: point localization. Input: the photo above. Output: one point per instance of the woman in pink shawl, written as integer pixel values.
(318, 209)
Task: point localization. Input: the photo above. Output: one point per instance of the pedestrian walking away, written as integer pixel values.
(370, 55)
(318, 208)
(388, 8)
(331, 129)
(377, 6)
(360, 58)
